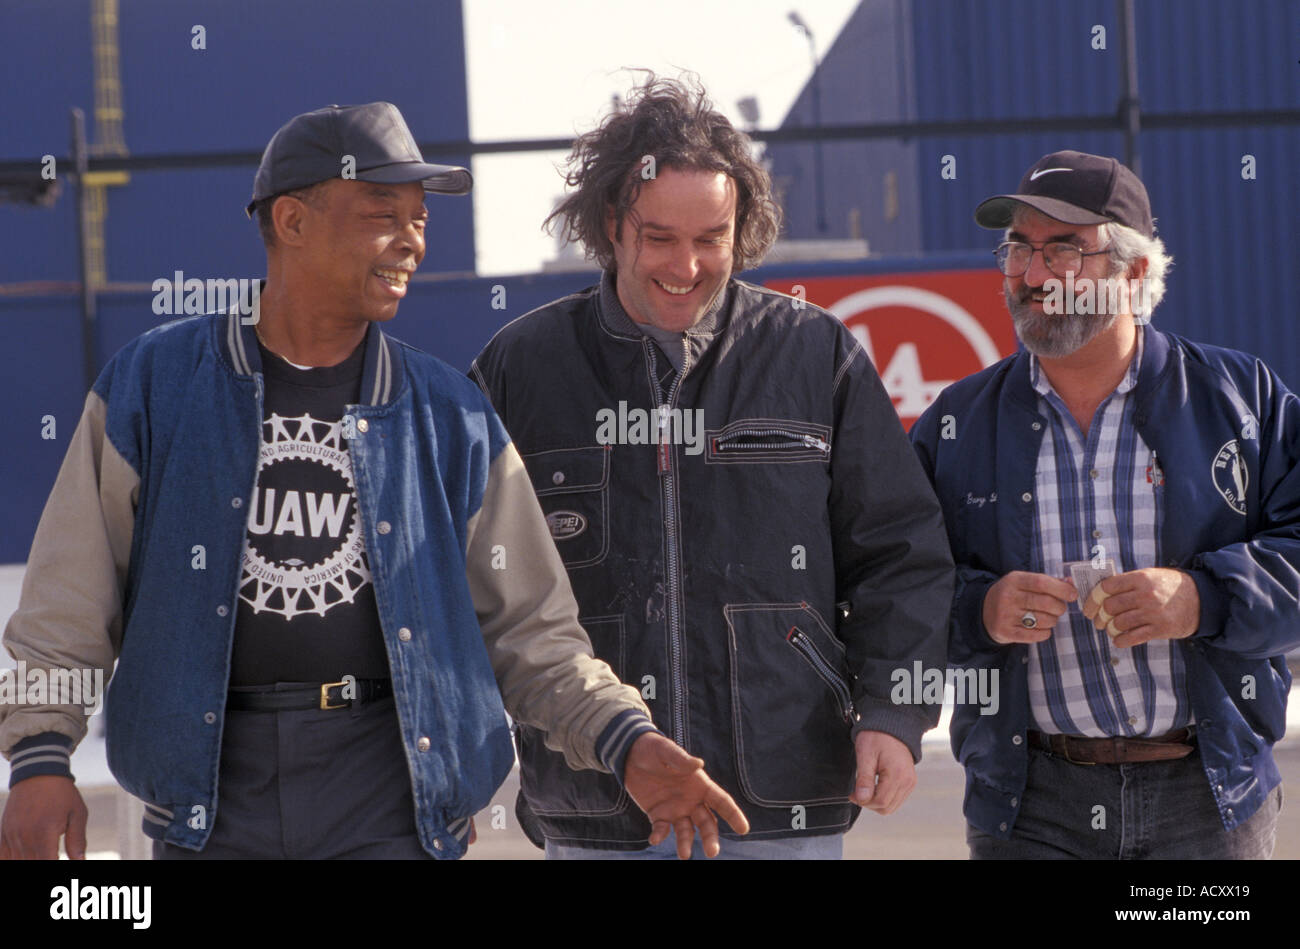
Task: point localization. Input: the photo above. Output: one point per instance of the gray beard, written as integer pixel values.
(1057, 336)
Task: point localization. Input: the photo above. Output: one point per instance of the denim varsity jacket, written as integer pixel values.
(165, 459)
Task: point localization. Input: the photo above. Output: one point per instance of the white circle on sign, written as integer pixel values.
(960, 319)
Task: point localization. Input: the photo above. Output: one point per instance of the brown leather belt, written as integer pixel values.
(1168, 747)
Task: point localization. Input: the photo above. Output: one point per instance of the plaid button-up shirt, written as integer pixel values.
(1097, 498)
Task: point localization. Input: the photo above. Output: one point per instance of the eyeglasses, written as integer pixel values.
(1013, 257)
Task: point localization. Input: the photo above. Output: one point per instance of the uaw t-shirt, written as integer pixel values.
(306, 601)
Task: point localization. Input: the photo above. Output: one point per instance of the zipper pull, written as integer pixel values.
(665, 458)
(1155, 474)
(812, 441)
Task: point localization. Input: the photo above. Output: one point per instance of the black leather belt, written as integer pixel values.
(328, 695)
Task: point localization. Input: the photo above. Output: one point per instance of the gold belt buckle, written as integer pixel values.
(325, 698)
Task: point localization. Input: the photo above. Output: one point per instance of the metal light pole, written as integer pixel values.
(1129, 106)
(819, 186)
(88, 289)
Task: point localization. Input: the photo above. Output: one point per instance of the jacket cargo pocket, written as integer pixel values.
(551, 787)
(751, 440)
(572, 486)
(792, 707)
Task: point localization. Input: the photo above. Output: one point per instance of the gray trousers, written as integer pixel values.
(311, 785)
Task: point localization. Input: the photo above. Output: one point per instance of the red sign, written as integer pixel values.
(922, 331)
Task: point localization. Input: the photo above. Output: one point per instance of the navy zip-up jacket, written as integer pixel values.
(765, 582)
(1199, 408)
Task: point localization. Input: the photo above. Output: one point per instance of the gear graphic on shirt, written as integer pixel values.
(294, 586)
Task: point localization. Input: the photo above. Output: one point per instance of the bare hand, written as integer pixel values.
(884, 755)
(1018, 593)
(1141, 605)
(675, 793)
(38, 812)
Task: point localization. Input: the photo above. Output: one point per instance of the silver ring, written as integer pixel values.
(1029, 621)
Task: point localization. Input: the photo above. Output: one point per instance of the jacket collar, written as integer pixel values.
(615, 321)
(1042, 385)
(381, 379)
(1154, 359)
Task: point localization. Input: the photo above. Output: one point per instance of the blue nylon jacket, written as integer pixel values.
(1197, 406)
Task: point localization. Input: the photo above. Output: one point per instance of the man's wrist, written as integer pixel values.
(46, 753)
(898, 723)
(618, 738)
(1214, 605)
(975, 593)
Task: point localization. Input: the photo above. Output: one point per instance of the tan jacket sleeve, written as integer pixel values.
(69, 615)
(541, 656)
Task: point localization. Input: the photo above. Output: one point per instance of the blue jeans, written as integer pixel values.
(823, 847)
(1157, 810)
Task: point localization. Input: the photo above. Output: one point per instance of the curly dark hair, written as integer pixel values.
(674, 122)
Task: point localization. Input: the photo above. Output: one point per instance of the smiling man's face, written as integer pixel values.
(363, 243)
(673, 256)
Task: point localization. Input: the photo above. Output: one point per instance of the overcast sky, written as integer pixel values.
(542, 70)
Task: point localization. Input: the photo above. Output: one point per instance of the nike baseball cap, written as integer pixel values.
(316, 146)
(1075, 188)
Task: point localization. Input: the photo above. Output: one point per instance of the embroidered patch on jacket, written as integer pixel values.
(1231, 476)
(565, 524)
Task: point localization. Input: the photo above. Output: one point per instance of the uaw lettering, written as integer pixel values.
(920, 686)
(305, 550)
(325, 512)
(74, 901)
(190, 296)
(36, 686)
(661, 426)
(1112, 295)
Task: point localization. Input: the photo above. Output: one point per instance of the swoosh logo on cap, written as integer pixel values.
(1046, 171)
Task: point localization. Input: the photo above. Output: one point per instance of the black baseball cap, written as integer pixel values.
(311, 147)
(1075, 188)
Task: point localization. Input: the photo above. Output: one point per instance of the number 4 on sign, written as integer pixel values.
(902, 378)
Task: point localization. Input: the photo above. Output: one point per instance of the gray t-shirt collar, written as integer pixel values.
(697, 338)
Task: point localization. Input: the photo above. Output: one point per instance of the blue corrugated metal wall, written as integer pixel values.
(860, 175)
(264, 61)
(1233, 240)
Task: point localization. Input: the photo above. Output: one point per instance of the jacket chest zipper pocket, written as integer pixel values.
(798, 639)
(759, 441)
